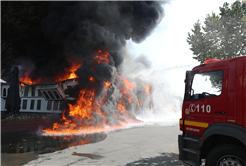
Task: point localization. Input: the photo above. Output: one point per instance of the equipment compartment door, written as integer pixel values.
(244, 95)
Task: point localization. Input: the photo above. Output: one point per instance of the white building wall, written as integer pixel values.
(2, 104)
(44, 103)
(43, 108)
(3, 98)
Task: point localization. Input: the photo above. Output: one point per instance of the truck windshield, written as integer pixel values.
(207, 84)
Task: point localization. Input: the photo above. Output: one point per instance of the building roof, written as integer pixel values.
(2, 81)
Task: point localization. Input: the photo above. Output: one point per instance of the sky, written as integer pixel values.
(170, 55)
(167, 46)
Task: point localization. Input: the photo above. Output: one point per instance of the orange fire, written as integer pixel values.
(107, 85)
(26, 79)
(69, 73)
(141, 102)
(102, 57)
(80, 142)
(75, 140)
(147, 88)
(87, 115)
(128, 90)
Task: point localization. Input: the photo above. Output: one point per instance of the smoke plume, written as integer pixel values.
(79, 31)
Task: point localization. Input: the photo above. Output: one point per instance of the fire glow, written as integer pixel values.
(148, 91)
(86, 114)
(69, 52)
(69, 73)
(26, 79)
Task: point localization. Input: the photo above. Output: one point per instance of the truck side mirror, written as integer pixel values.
(187, 85)
(188, 91)
(188, 76)
(192, 92)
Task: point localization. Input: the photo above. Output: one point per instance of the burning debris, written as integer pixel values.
(144, 98)
(85, 43)
(96, 112)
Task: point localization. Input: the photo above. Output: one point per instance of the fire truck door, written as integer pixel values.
(208, 100)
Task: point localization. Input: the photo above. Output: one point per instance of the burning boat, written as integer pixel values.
(40, 98)
(84, 41)
(50, 99)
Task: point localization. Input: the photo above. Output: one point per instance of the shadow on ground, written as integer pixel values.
(168, 159)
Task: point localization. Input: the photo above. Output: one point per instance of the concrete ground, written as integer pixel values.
(153, 145)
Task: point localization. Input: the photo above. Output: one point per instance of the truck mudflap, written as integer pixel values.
(189, 151)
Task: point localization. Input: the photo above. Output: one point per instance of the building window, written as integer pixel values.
(46, 95)
(24, 104)
(33, 90)
(56, 94)
(39, 105)
(39, 93)
(55, 106)
(51, 95)
(26, 91)
(49, 105)
(61, 107)
(4, 91)
(32, 104)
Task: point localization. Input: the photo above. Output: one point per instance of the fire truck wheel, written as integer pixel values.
(226, 155)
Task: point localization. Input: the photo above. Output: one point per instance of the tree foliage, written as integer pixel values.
(20, 27)
(223, 36)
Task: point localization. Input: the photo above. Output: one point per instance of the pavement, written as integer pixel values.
(152, 145)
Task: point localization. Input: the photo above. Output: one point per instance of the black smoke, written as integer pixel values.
(78, 29)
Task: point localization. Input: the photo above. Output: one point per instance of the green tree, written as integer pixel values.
(223, 36)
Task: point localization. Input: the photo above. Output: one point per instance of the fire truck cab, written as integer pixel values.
(213, 122)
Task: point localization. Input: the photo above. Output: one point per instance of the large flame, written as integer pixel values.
(28, 80)
(148, 92)
(69, 73)
(87, 115)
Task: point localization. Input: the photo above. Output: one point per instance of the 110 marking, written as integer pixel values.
(208, 108)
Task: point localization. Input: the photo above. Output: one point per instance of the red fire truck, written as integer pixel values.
(213, 122)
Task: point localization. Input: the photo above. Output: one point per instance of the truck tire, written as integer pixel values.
(226, 155)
